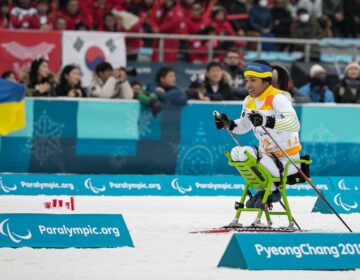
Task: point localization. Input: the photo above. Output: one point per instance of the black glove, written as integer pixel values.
(258, 119)
(222, 121)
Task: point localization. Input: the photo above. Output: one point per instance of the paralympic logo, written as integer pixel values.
(176, 186)
(88, 184)
(6, 231)
(343, 187)
(347, 207)
(6, 189)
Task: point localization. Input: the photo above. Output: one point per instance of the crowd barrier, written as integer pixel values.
(87, 136)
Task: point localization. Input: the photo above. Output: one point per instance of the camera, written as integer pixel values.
(130, 71)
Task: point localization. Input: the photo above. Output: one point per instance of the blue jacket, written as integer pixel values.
(315, 93)
(173, 96)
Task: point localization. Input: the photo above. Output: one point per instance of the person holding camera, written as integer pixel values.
(41, 80)
(317, 88)
(70, 82)
(110, 83)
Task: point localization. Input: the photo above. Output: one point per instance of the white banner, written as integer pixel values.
(88, 49)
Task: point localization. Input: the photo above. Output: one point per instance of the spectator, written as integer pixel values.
(234, 67)
(314, 7)
(197, 89)
(216, 83)
(260, 19)
(260, 24)
(333, 9)
(293, 5)
(351, 18)
(282, 21)
(281, 79)
(60, 24)
(198, 18)
(45, 16)
(4, 14)
(73, 14)
(325, 25)
(348, 91)
(41, 80)
(99, 10)
(165, 87)
(307, 27)
(199, 49)
(167, 17)
(238, 15)
(9, 75)
(70, 82)
(131, 23)
(22, 15)
(147, 98)
(317, 88)
(110, 83)
(108, 23)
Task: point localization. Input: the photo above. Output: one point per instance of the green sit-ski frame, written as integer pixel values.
(258, 177)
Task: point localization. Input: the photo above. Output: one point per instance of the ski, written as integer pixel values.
(249, 229)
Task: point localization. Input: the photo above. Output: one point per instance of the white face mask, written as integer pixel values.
(304, 18)
(263, 3)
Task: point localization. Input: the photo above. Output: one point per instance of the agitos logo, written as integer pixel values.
(15, 237)
(6, 189)
(88, 184)
(176, 186)
(347, 207)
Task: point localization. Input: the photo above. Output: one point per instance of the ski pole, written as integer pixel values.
(217, 114)
(307, 179)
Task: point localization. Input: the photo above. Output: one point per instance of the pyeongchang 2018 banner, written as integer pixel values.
(18, 49)
(88, 49)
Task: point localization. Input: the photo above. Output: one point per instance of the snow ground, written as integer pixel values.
(164, 248)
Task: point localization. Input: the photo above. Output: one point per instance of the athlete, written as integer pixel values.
(269, 107)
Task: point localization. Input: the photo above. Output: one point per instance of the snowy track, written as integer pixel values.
(164, 248)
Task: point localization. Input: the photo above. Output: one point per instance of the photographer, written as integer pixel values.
(70, 83)
(110, 83)
(41, 80)
(317, 88)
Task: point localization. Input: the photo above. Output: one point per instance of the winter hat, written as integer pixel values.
(315, 69)
(258, 69)
(353, 64)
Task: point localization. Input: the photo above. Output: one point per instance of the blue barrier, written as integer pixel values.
(134, 185)
(63, 231)
(344, 202)
(121, 137)
(315, 251)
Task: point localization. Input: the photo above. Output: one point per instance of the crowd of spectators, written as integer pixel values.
(267, 18)
(218, 82)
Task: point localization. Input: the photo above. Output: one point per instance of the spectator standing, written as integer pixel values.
(167, 17)
(307, 27)
(22, 15)
(108, 23)
(41, 80)
(46, 18)
(282, 21)
(70, 82)
(234, 67)
(4, 14)
(351, 18)
(198, 17)
(109, 83)
(216, 83)
(165, 87)
(348, 91)
(317, 88)
(238, 15)
(314, 7)
(333, 9)
(73, 15)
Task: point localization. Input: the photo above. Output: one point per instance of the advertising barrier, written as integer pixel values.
(344, 202)
(63, 231)
(134, 185)
(315, 251)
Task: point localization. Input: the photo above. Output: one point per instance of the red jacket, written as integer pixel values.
(171, 22)
(24, 18)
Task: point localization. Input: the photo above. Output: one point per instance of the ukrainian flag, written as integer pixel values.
(12, 107)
